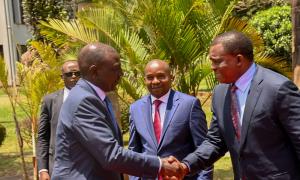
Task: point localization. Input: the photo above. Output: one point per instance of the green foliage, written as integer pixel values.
(42, 77)
(37, 10)
(248, 8)
(275, 27)
(2, 134)
(3, 75)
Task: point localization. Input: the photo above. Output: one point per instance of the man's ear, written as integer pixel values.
(240, 58)
(93, 70)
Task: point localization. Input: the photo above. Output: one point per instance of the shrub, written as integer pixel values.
(2, 134)
(247, 8)
(275, 26)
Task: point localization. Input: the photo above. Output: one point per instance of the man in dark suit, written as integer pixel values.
(181, 125)
(256, 116)
(88, 139)
(48, 119)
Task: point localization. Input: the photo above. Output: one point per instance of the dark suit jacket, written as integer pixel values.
(88, 145)
(184, 128)
(270, 137)
(47, 129)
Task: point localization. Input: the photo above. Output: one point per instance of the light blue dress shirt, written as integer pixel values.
(243, 85)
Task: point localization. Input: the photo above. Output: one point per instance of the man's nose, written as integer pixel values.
(155, 80)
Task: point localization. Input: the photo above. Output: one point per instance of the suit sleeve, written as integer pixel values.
(198, 127)
(44, 135)
(288, 108)
(212, 149)
(92, 127)
(134, 138)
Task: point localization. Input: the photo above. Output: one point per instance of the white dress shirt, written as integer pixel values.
(243, 85)
(66, 93)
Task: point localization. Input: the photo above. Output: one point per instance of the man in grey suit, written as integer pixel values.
(48, 119)
(256, 116)
(180, 125)
(88, 139)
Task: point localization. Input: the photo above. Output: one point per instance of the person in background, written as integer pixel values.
(48, 119)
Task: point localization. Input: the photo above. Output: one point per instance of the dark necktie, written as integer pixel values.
(111, 114)
(235, 111)
(156, 123)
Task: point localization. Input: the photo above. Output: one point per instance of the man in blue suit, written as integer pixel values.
(88, 139)
(181, 125)
(256, 116)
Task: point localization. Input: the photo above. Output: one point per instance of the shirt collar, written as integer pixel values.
(99, 91)
(244, 81)
(164, 98)
(66, 93)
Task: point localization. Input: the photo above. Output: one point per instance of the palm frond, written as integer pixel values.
(73, 29)
(276, 64)
(105, 22)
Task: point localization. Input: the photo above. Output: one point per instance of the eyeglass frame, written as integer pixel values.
(70, 74)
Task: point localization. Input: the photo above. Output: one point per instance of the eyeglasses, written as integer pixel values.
(70, 74)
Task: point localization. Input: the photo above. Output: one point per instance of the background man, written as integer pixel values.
(176, 127)
(48, 119)
(256, 116)
(88, 139)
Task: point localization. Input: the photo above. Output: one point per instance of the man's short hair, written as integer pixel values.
(235, 42)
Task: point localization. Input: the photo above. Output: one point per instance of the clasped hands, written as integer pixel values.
(172, 169)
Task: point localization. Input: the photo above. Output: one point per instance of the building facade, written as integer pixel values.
(13, 34)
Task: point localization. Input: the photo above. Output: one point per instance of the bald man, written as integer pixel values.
(48, 119)
(89, 141)
(175, 127)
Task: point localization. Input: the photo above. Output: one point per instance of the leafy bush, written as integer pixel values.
(2, 134)
(41, 10)
(275, 27)
(247, 8)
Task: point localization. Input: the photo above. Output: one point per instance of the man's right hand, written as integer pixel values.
(171, 169)
(44, 176)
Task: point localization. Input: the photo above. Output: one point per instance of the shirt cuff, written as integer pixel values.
(43, 170)
(160, 164)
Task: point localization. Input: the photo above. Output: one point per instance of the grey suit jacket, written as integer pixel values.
(87, 143)
(184, 129)
(47, 129)
(270, 135)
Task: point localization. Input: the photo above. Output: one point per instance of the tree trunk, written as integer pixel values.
(20, 139)
(33, 133)
(296, 41)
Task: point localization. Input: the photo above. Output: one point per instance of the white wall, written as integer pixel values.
(10, 35)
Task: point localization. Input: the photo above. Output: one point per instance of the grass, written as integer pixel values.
(10, 164)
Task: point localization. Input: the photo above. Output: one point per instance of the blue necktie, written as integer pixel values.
(111, 113)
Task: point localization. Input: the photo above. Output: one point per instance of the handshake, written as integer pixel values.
(172, 169)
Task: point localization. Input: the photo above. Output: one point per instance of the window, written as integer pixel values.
(17, 11)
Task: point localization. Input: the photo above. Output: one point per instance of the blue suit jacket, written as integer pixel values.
(270, 134)
(184, 128)
(87, 144)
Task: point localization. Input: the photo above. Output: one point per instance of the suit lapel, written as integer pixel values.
(58, 100)
(252, 98)
(173, 102)
(147, 111)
